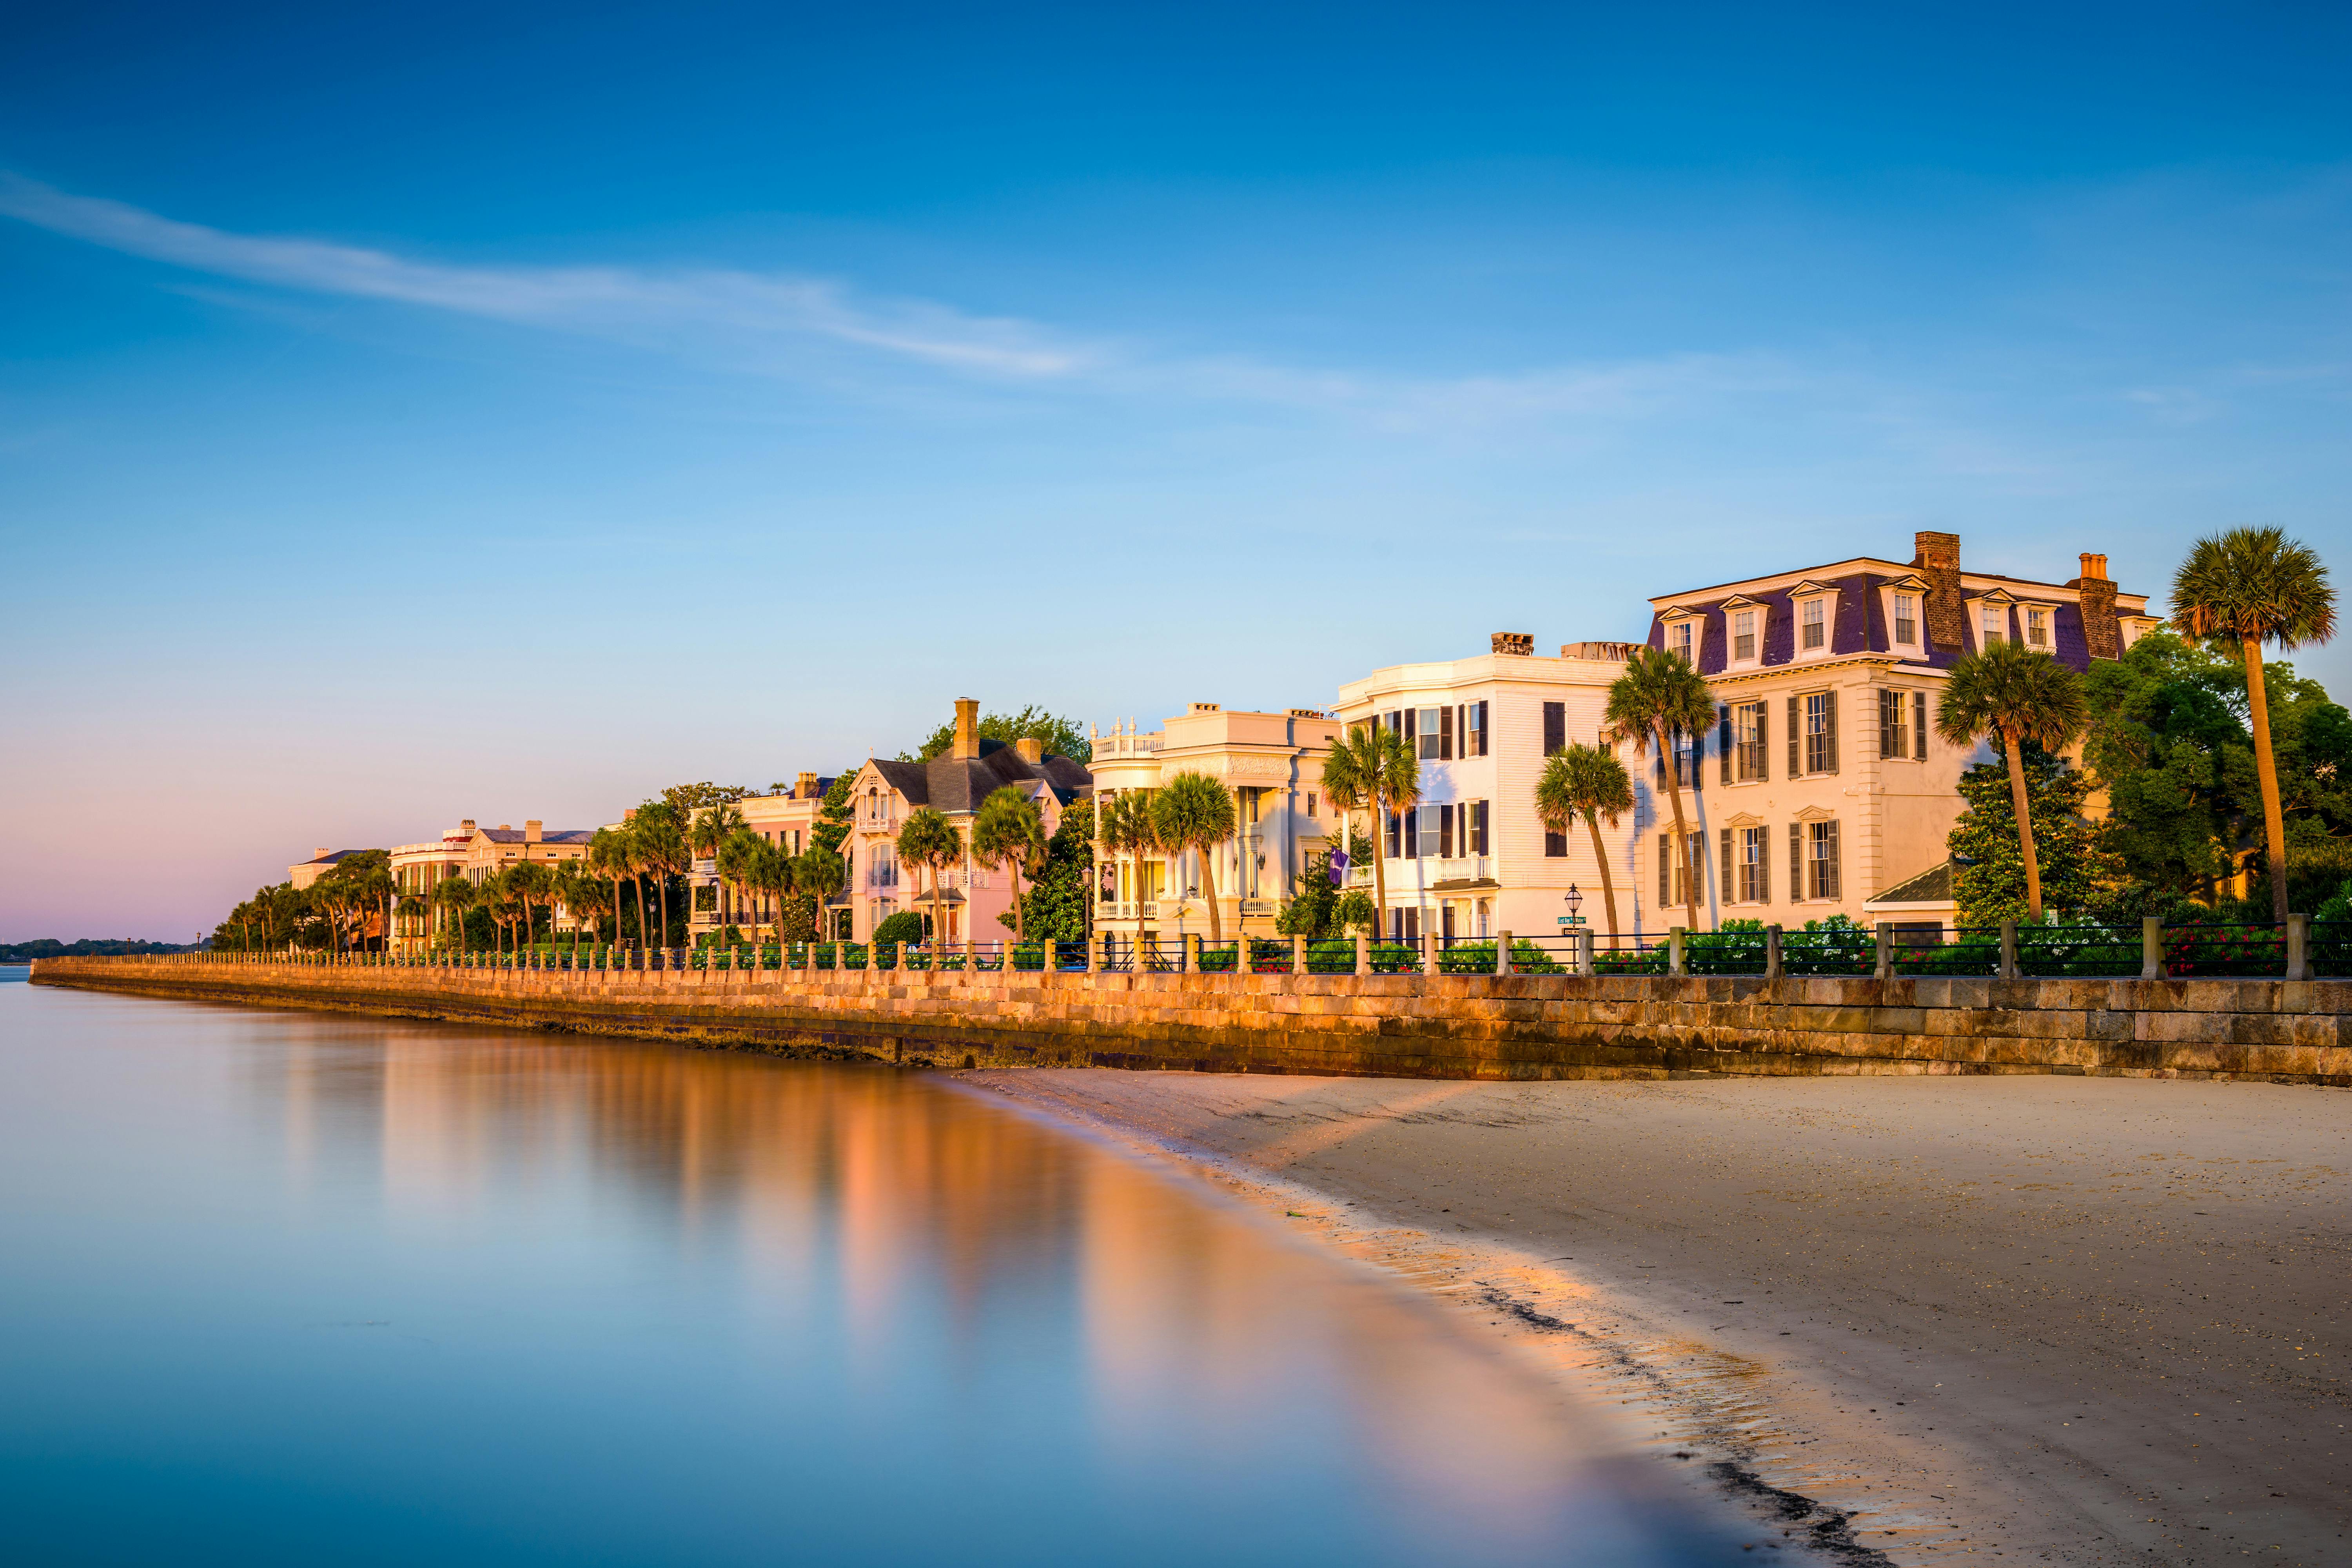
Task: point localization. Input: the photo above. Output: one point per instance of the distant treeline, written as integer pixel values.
(88, 947)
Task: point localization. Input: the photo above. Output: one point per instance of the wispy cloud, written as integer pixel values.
(751, 315)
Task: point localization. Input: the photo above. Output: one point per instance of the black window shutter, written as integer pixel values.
(1445, 832)
(1724, 869)
(1723, 741)
(1796, 738)
(1555, 739)
(1555, 844)
(1411, 714)
(1829, 732)
(1411, 819)
(1481, 848)
(1666, 872)
(1834, 888)
(1763, 866)
(1796, 861)
(1698, 760)
(1445, 734)
(1483, 730)
(1890, 716)
(1919, 727)
(1395, 831)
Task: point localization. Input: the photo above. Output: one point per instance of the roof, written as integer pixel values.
(518, 834)
(1932, 886)
(331, 859)
(956, 785)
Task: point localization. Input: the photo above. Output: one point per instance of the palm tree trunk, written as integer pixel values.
(1013, 870)
(2017, 805)
(1682, 839)
(1209, 891)
(639, 883)
(1600, 856)
(2258, 704)
(664, 888)
(1380, 871)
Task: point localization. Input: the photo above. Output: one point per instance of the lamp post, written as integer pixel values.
(1574, 899)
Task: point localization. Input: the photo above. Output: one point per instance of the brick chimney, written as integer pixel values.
(804, 787)
(1521, 645)
(532, 830)
(628, 815)
(467, 825)
(1939, 561)
(1032, 750)
(321, 853)
(2103, 634)
(967, 728)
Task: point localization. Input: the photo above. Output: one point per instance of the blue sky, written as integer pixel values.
(409, 414)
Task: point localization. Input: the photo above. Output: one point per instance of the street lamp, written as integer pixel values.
(1574, 899)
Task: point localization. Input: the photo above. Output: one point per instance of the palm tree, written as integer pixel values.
(2021, 696)
(819, 873)
(2250, 586)
(738, 855)
(927, 838)
(1658, 697)
(771, 871)
(531, 883)
(456, 895)
(411, 907)
(1126, 829)
(1372, 768)
(1587, 782)
(608, 857)
(1193, 811)
(659, 833)
(1009, 832)
(577, 891)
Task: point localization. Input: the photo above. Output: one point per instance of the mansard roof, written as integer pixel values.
(956, 785)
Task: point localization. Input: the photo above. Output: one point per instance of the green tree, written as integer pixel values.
(1061, 892)
(819, 874)
(1193, 811)
(1128, 829)
(737, 854)
(532, 885)
(608, 858)
(1587, 782)
(1313, 909)
(929, 839)
(2071, 872)
(455, 895)
(687, 799)
(658, 831)
(1372, 768)
(833, 817)
(2020, 698)
(1060, 737)
(2246, 587)
(1658, 697)
(1008, 833)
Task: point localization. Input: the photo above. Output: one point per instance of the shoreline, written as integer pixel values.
(1894, 1394)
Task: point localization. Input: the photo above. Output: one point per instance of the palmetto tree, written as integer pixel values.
(737, 855)
(1586, 782)
(658, 835)
(532, 885)
(1009, 833)
(454, 895)
(1372, 768)
(1128, 829)
(1659, 696)
(773, 870)
(2021, 696)
(927, 838)
(819, 873)
(2247, 587)
(608, 860)
(578, 889)
(1196, 812)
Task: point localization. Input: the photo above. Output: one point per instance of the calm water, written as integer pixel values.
(282, 1288)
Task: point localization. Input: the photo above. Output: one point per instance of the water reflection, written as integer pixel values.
(301, 1286)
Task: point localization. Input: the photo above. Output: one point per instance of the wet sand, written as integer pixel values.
(1912, 1320)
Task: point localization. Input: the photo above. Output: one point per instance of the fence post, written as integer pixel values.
(1429, 953)
(1191, 953)
(873, 956)
(2298, 947)
(1093, 952)
(1678, 952)
(1584, 965)
(1773, 967)
(1885, 970)
(2009, 968)
(1297, 954)
(1363, 953)
(1503, 954)
(2151, 947)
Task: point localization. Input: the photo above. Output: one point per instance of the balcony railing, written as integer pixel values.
(1461, 868)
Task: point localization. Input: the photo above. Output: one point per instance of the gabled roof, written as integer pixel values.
(1932, 886)
(956, 785)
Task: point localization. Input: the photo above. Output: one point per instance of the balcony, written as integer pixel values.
(1257, 907)
(1463, 868)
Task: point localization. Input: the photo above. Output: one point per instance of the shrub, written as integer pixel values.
(906, 926)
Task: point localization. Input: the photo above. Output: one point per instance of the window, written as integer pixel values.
(2037, 628)
(1436, 829)
(1919, 726)
(1434, 733)
(1748, 724)
(1473, 728)
(1814, 621)
(1907, 620)
(1755, 866)
(1310, 804)
(1990, 624)
(1477, 809)
(1894, 724)
(1670, 887)
(1743, 636)
(1678, 638)
(1555, 728)
(1555, 843)
(1812, 734)
(1822, 860)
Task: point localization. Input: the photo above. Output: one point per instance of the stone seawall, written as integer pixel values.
(1400, 1025)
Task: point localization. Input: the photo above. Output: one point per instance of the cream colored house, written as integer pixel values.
(1273, 765)
(784, 817)
(477, 853)
(1824, 789)
(1473, 859)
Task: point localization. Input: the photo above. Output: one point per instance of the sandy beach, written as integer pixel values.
(1909, 1320)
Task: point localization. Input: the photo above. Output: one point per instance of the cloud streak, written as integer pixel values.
(744, 311)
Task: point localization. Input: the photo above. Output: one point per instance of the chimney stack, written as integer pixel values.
(532, 831)
(467, 825)
(1939, 561)
(806, 788)
(321, 853)
(630, 814)
(1032, 750)
(2103, 634)
(1521, 645)
(967, 728)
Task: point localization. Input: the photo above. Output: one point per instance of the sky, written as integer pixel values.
(422, 413)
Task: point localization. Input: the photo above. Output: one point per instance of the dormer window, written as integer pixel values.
(1680, 638)
(1812, 624)
(1743, 636)
(2037, 628)
(1990, 627)
(1907, 620)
